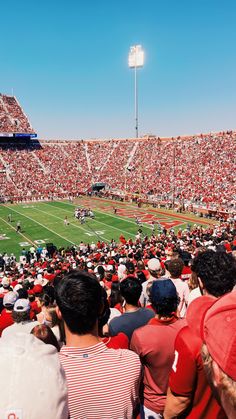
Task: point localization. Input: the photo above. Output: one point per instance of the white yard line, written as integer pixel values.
(25, 237)
(42, 225)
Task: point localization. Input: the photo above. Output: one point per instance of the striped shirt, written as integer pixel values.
(102, 383)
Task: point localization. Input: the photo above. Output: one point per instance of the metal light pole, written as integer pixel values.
(136, 60)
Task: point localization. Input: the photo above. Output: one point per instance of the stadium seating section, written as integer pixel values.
(199, 169)
(12, 117)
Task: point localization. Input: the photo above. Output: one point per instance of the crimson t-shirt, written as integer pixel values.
(5, 320)
(188, 379)
(120, 341)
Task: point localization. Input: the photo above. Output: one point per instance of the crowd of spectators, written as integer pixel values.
(191, 171)
(124, 321)
(12, 117)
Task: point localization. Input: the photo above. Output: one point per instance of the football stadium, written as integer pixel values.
(117, 253)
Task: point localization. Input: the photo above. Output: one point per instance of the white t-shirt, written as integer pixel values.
(23, 327)
(194, 294)
(183, 292)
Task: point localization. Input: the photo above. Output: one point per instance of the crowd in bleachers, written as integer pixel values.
(93, 303)
(12, 117)
(122, 329)
(195, 170)
(191, 170)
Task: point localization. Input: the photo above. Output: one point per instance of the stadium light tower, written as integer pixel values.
(136, 60)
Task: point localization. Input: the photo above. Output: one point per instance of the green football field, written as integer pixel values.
(43, 222)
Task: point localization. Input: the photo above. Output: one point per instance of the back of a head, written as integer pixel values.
(130, 267)
(131, 290)
(217, 271)
(175, 267)
(28, 395)
(21, 310)
(9, 300)
(164, 297)
(79, 298)
(46, 335)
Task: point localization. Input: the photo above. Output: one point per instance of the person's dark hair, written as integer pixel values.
(131, 290)
(19, 317)
(22, 293)
(26, 284)
(45, 300)
(79, 298)
(217, 271)
(141, 277)
(166, 307)
(130, 267)
(115, 296)
(50, 291)
(175, 267)
(101, 271)
(46, 335)
(104, 316)
(31, 297)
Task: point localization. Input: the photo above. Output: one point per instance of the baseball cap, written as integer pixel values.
(9, 299)
(5, 282)
(154, 264)
(219, 333)
(161, 289)
(20, 354)
(109, 268)
(21, 305)
(37, 289)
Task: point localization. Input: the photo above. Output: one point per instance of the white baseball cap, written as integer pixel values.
(154, 264)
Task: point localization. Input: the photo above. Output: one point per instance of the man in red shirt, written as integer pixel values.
(102, 383)
(154, 343)
(6, 314)
(189, 392)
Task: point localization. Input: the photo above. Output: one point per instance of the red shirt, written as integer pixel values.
(188, 378)
(34, 309)
(49, 277)
(154, 343)
(5, 320)
(119, 341)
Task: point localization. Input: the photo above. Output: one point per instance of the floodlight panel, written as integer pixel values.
(136, 56)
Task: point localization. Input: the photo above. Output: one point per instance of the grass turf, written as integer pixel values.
(43, 222)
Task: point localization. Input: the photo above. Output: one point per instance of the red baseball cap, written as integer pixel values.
(37, 289)
(219, 333)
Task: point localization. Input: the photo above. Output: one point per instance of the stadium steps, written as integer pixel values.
(40, 163)
(7, 113)
(133, 151)
(108, 157)
(87, 156)
(67, 155)
(7, 170)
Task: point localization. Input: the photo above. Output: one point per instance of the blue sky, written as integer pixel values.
(67, 64)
